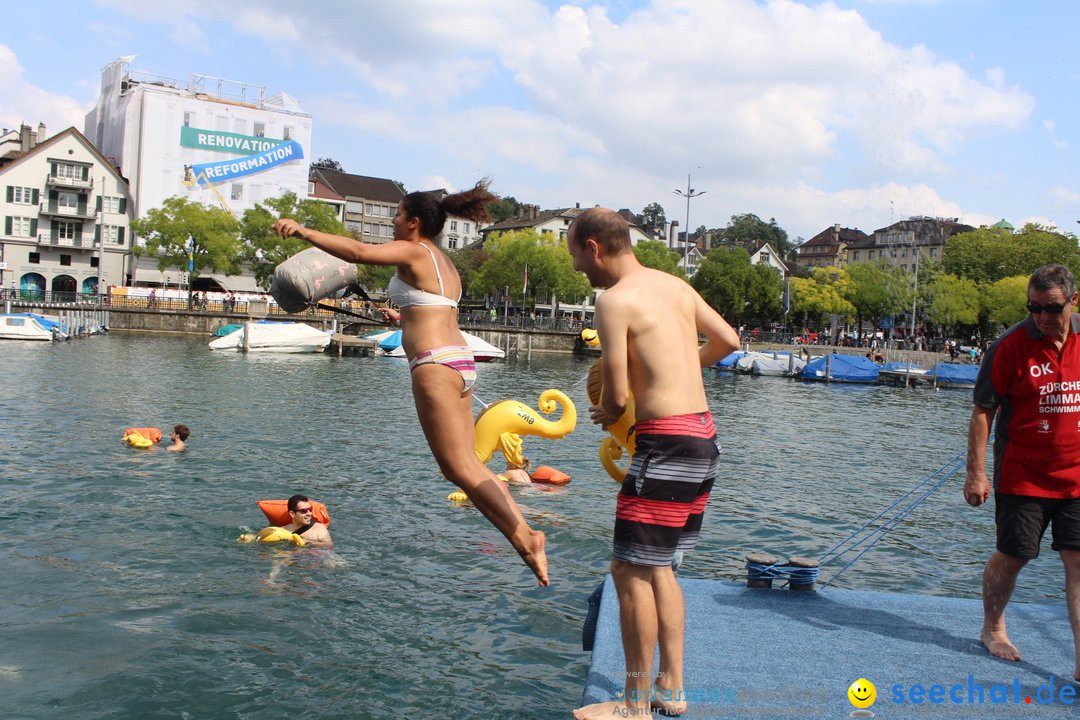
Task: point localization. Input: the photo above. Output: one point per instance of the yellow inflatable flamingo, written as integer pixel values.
(501, 425)
(621, 439)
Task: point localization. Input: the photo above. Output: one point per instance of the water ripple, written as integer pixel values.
(129, 597)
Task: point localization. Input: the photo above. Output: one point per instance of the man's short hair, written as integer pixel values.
(608, 229)
(296, 500)
(182, 432)
(1053, 276)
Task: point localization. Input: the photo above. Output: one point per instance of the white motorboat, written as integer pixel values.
(280, 337)
(29, 326)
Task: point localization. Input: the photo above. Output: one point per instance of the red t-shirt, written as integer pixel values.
(1037, 392)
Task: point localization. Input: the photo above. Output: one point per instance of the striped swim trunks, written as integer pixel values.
(454, 357)
(662, 500)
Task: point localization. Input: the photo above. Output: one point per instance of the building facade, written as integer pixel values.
(66, 217)
(212, 141)
(898, 243)
(370, 203)
(829, 248)
(554, 223)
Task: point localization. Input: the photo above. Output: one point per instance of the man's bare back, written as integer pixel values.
(653, 319)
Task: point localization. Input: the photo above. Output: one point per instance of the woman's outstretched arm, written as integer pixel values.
(347, 248)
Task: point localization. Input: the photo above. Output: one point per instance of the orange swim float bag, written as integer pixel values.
(549, 475)
(277, 512)
(151, 434)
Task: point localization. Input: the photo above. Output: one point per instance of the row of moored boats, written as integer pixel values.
(293, 337)
(837, 367)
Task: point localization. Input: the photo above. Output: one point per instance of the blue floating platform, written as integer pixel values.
(776, 652)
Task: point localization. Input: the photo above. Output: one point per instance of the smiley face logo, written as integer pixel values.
(862, 693)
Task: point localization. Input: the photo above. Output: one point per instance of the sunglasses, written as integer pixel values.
(1052, 308)
(303, 511)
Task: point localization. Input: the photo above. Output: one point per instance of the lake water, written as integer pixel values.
(125, 594)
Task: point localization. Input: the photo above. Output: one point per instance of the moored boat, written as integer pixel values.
(781, 364)
(280, 337)
(952, 375)
(29, 326)
(901, 373)
(841, 368)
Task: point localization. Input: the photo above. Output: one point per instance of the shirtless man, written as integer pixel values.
(648, 322)
(179, 436)
(314, 533)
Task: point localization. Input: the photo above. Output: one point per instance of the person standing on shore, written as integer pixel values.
(427, 288)
(648, 322)
(1029, 379)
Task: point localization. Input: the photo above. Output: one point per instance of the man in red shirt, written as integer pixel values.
(1030, 379)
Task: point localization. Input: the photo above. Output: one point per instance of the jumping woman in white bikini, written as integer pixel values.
(427, 289)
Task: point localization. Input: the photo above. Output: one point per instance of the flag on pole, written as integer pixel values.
(525, 281)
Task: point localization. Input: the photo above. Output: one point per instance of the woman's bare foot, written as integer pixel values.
(999, 646)
(669, 701)
(536, 558)
(609, 710)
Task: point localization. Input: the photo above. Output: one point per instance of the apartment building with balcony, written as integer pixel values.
(66, 215)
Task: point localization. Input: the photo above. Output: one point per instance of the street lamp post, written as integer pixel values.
(688, 194)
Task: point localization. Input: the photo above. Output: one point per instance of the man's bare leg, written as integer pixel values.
(1071, 560)
(638, 624)
(671, 615)
(999, 580)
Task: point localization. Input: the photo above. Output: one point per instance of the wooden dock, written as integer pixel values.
(350, 345)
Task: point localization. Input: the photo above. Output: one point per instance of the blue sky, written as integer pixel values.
(858, 112)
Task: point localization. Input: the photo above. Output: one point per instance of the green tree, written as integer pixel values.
(653, 216)
(722, 279)
(987, 255)
(327, 164)
(1004, 302)
(468, 261)
(822, 294)
(655, 254)
(505, 208)
(551, 269)
(264, 250)
(954, 304)
(764, 295)
(375, 277)
(877, 291)
(181, 231)
(750, 231)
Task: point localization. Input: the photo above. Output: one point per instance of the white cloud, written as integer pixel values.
(778, 104)
(1049, 125)
(1065, 196)
(22, 102)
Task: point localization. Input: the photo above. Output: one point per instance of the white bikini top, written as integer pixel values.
(405, 295)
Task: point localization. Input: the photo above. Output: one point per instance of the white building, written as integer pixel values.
(65, 212)
(765, 255)
(213, 141)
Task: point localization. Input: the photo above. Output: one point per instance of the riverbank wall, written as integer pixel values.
(511, 339)
(196, 322)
